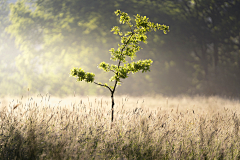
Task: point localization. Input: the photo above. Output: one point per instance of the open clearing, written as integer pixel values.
(45, 127)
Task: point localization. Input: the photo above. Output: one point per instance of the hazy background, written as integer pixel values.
(42, 40)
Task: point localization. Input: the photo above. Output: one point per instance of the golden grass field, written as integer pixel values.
(44, 127)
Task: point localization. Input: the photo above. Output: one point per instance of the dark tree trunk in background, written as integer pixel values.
(204, 60)
(238, 60)
(215, 56)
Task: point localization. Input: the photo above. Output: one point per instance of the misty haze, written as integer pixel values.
(94, 79)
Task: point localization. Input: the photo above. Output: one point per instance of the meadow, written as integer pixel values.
(45, 127)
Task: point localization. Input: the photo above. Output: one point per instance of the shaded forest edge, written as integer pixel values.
(42, 40)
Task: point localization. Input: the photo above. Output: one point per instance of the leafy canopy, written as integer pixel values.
(128, 48)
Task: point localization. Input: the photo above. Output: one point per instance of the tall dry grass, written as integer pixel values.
(46, 127)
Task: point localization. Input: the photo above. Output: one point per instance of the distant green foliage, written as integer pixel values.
(9, 83)
(128, 48)
(201, 56)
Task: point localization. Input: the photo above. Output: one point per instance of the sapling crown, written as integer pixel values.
(128, 48)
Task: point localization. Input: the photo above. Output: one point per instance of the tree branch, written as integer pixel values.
(113, 71)
(103, 85)
(120, 60)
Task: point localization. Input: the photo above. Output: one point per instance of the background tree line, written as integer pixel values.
(41, 40)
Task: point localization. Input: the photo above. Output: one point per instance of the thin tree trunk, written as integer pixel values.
(112, 105)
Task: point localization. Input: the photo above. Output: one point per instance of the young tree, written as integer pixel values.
(128, 48)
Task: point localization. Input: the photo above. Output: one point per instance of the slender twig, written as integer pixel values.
(113, 71)
(103, 85)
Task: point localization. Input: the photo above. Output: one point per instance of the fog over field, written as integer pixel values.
(91, 79)
(87, 79)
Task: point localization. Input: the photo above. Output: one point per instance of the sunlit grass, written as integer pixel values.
(44, 127)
